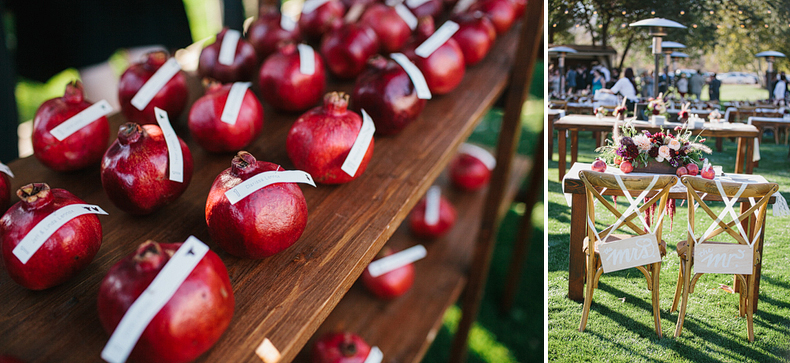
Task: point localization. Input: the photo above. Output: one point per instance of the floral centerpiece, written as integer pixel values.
(684, 113)
(600, 112)
(714, 115)
(661, 152)
(620, 111)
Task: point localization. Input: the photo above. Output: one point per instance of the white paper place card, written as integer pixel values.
(375, 355)
(723, 258)
(361, 145)
(462, 5)
(287, 23)
(311, 5)
(406, 15)
(230, 113)
(416, 76)
(439, 37)
(629, 252)
(44, 229)
(415, 3)
(267, 352)
(82, 119)
(396, 260)
(433, 199)
(5, 169)
(153, 299)
(227, 50)
(479, 153)
(174, 154)
(155, 83)
(264, 179)
(306, 59)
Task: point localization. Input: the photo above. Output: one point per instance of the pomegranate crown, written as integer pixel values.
(74, 92)
(242, 163)
(335, 102)
(154, 60)
(35, 195)
(130, 132)
(425, 28)
(149, 256)
(377, 61)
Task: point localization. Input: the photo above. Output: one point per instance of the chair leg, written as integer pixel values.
(750, 307)
(678, 288)
(590, 287)
(685, 298)
(656, 309)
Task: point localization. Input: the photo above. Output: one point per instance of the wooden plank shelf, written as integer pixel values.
(405, 327)
(283, 298)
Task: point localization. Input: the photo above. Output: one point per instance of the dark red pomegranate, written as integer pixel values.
(502, 13)
(82, 148)
(5, 191)
(172, 97)
(267, 32)
(519, 6)
(285, 87)
(391, 29)
(469, 173)
(340, 347)
(320, 140)
(422, 8)
(10, 359)
(189, 323)
(316, 21)
(444, 68)
(391, 284)
(214, 134)
(422, 229)
(348, 48)
(388, 95)
(262, 224)
(692, 168)
(135, 171)
(598, 165)
(475, 36)
(349, 3)
(65, 253)
(243, 65)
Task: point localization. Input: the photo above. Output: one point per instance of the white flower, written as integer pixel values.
(642, 142)
(663, 153)
(673, 144)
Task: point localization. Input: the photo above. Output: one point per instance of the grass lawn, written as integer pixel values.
(620, 325)
(740, 92)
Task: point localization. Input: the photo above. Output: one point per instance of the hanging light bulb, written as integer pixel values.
(766, 25)
(622, 25)
(566, 11)
(694, 26)
(554, 25)
(653, 12)
(711, 12)
(742, 26)
(718, 26)
(682, 12)
(600, 25)
(577, 25)
(740, 11)
(769, 11)
(623, 12)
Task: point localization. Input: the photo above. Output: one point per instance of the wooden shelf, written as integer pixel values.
(405, 327)
(283, 298)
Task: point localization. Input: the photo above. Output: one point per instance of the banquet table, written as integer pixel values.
(576, 123)
(574, 191)
(762, 122)
(552, 116)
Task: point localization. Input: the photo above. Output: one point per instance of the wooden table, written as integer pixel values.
(283, 298)
(575, 187)
(551, 117)
(776, 122)
(576, 123)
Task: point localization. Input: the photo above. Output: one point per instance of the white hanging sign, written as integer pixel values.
(723, 258)
(82, 119)
(174, 154)
(44, 229)
(155, 83)
(264, 179)
(227, 51)
(360, 146)
(439, 37)
(230, 113)
(629, 252)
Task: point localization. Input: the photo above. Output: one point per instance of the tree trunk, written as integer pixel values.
(625, 51)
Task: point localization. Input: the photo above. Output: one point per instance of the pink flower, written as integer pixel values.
(642, 142)
(673, 144)
(663, 153)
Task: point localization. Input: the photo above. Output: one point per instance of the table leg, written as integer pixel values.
(759, 268)
(574, 145)
(739, 156)
(719, 144)
(550, 132)
(576, 255)
(561, 149)
(749, 155)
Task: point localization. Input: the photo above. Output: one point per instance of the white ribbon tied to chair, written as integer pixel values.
(629, 252)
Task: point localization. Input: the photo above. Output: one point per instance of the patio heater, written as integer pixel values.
(561, 56)
(770, 57)
(668, 47)
(658, 29)
(676, 55)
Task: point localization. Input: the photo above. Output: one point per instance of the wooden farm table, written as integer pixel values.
(283, 298)
(776, 122)
(573, 188)
(576, 123)
(551, 117)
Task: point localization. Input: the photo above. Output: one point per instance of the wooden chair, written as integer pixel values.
(658, 187)
(745, 229)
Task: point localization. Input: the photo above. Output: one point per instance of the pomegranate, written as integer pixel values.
(215, 135)
(172, 97)
(262, 224)
(348, 48)
(391, 29)
(267, 32)
(617, 160)
(423, 8)
(285, 87)
(10, 359)
(519, 6)
(503, 13)
(391, 284)
(475, 36)
(444, 68)
(79, 150)
(243, 67)
(316, 21)
(65, 253)
(469, 173)
(681, 171)
(320, 140)
(5, 190)
(707, 170)
(349, 3)
(340, 347)
(422, 229)
(135, 170)
(189, 323)
(626, 167)
(692, 168)
(388, 95)
(598, 165)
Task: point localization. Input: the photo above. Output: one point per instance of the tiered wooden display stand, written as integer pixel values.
(285, 298)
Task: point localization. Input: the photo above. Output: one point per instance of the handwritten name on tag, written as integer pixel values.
(37, 236)
(264, 179)
(306, 59)
(174, 154)
(360, 146)
(723, 258)
(227, 51)
(439, 37)
(629, 252)
(230, 113)
(416, 76)
(406, 15)
(82, 119)
(155, 83)
(397, 260)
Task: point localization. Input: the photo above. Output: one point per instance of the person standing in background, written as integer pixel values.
(713, 88)
(683, 85)
(780, 89)
(696, 83)
(598, 81)
(582, 77)
(570, 80)
(647, 84)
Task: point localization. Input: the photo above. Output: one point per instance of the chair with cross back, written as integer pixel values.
(738, 257)
(612, 252)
